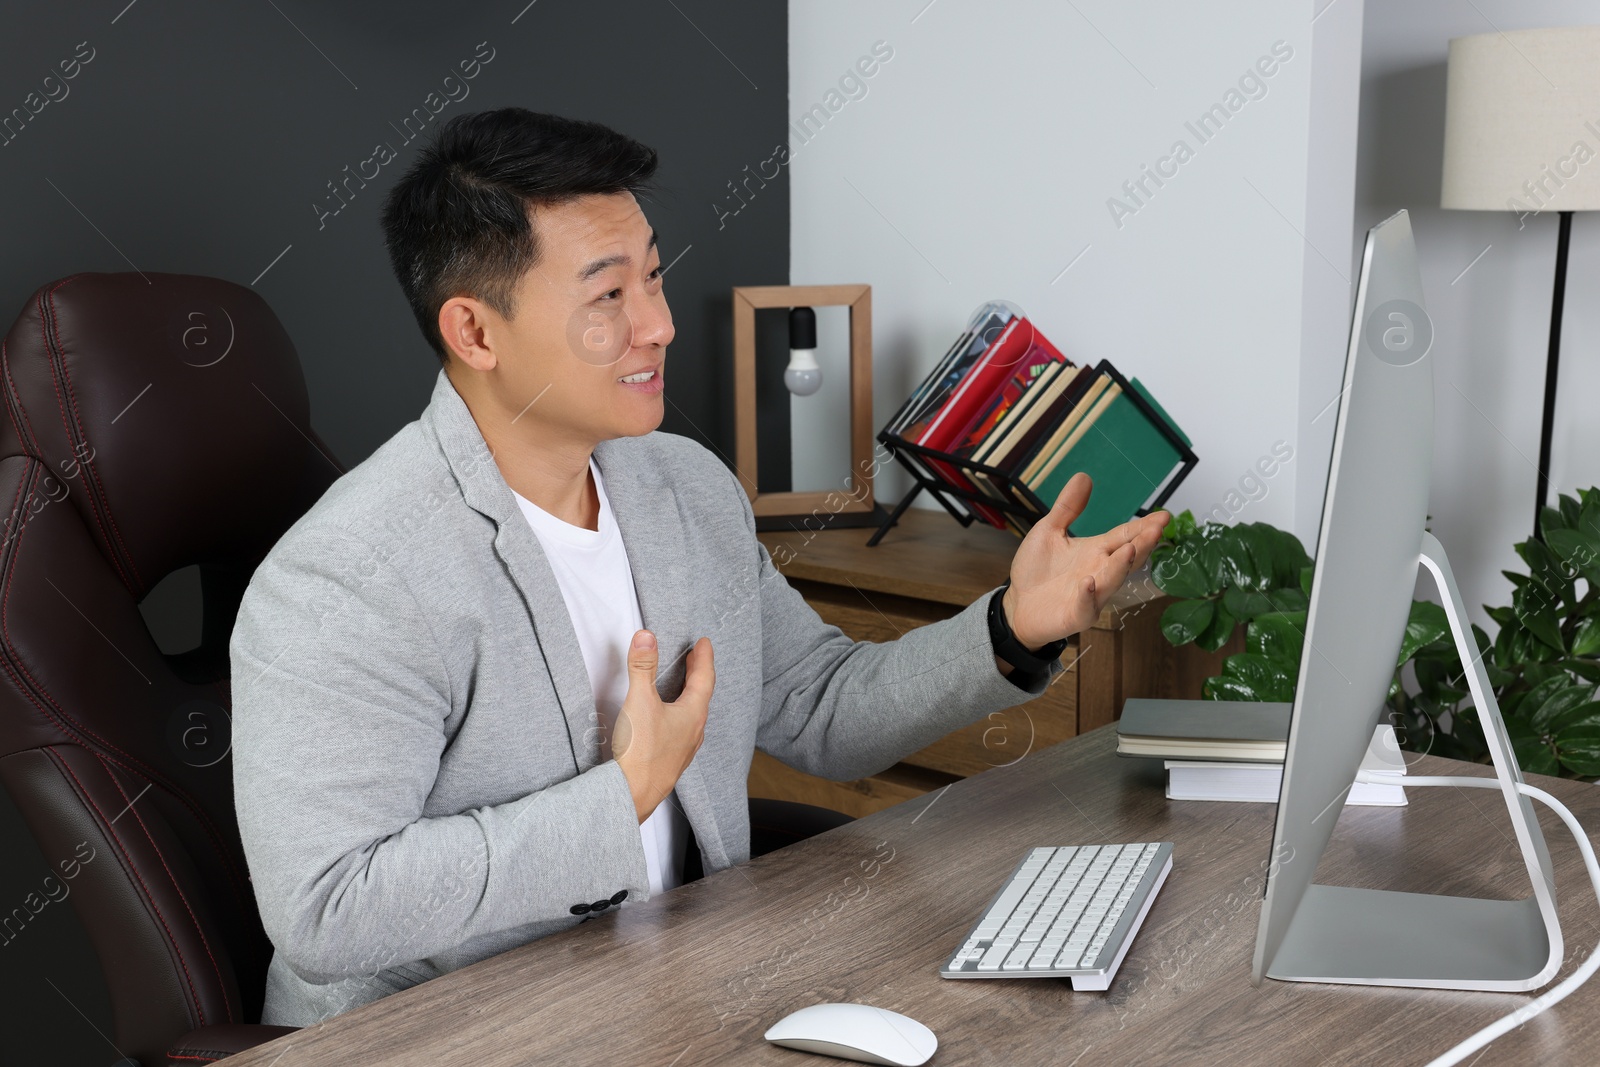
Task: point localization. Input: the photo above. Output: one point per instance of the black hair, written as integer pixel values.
(457, 222)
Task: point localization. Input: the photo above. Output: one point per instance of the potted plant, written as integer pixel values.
(1543, 663)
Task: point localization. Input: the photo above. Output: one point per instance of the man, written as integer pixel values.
(511, 669)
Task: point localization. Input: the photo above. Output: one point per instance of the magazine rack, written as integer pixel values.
(1021, 504)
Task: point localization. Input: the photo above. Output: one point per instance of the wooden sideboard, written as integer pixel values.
(927, 568)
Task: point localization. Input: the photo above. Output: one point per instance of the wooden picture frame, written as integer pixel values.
(857, 492)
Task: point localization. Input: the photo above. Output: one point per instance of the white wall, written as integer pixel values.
(979, 164)
(1491, 323)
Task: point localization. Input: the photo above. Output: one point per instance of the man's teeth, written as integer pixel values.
(642, 376)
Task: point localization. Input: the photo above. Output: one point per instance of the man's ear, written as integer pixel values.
(466, 324)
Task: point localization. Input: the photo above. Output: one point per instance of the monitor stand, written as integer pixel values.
(1377, 937)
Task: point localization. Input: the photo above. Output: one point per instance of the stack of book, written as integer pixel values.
(1004, 420)
(1234, 750)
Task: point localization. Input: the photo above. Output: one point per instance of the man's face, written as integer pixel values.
(589, 316)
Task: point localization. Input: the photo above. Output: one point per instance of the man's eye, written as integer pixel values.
(612, 295)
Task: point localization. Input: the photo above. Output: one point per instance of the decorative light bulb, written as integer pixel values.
(802, 377)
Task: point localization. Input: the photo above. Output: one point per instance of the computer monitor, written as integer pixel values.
(1369, 547)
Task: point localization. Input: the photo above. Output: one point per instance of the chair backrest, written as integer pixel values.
(152, 422)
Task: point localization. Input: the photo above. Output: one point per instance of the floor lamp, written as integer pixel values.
(1522, 134)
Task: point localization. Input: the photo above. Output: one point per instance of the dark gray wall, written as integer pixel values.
(201, 137)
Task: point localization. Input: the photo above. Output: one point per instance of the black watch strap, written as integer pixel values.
(1008, 648)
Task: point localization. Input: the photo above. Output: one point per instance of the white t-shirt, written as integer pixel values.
(591, 567)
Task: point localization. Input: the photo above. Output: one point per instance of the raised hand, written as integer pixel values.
(1060, 583)
(653, 740)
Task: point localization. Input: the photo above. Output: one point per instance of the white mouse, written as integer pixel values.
(857, 1032)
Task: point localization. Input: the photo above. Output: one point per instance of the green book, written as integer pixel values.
(1127, 456)
(1144, 394)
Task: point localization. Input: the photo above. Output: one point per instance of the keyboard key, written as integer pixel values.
(994, 957)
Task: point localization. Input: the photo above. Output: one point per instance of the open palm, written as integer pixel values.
(1060, 583)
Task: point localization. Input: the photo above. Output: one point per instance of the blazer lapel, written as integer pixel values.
(646, 510)
(485, 490)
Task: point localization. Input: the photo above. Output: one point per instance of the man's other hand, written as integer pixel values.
(654, 740)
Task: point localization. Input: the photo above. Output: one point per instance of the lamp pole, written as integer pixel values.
(1563, 243)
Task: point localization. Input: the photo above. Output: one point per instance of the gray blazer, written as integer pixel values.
(415, 743)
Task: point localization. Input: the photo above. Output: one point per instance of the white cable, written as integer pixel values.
(1534, 1007)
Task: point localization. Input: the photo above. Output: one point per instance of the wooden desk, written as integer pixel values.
(868, 912)
(928, 568)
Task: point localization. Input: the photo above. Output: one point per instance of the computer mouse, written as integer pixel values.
(857, 1032)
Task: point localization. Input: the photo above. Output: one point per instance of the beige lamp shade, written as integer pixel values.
(1522, 121)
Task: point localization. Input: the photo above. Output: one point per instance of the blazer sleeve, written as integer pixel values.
(844, 709)
(340, 703)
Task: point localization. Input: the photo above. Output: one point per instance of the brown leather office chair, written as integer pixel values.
(152, 421)
(155, 421)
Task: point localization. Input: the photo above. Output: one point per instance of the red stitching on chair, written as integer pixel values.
(5, 363)
(83, 473)
(71, 726)
(26, 418)
(111, 832)
(86, 463)
(222, 986)
(204, 1057)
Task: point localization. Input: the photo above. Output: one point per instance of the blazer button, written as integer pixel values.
(600, 905)
(619, 896)
(580, 909)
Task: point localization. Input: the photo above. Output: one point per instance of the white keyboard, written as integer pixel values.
(1067, 912)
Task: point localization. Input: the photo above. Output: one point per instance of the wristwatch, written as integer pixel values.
(1030, 665)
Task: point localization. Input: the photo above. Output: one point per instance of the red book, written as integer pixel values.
(962, 406)
(978, 385)
(1040, 356)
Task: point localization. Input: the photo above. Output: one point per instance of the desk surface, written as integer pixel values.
(869, 912)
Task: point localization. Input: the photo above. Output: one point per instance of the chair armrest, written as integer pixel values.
(212, 1043)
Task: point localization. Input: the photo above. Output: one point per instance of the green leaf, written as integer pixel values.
(1305, 578)
(1547, 570)
(1288, 599)
(1278, 636)
(1427, 624)
(1265, 676)
(1587, 669)
(1178, 572)
(1569, 511)
(1589, 512)
(1246, 604)
(1578, 749)
(1505, 656)
(1221, 629)
(1184, 620)
(1578, 551)
(1550, 520)
(1180, 527)
(1583, 715)
(1538, 615)
(1536, 673)
(1553, 697)
(1586, 638)
(1535, 757)
(1278, 554)
(1228, 562)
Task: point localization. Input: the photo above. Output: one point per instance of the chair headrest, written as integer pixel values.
(171, 413)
